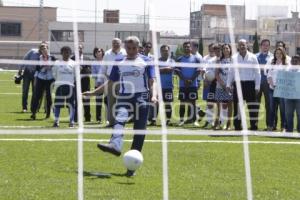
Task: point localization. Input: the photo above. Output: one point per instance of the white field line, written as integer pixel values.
(34, 130)
(240, 106)
(164, 129)
(150, 141)
(80, 190)
(12, 93)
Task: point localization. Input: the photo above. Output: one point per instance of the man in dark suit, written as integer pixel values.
(85, 71)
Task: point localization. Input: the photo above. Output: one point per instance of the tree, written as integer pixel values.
(179, 51)
(255, 44)
(200, 49)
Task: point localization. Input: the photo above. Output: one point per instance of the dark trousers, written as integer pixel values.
(27, 80)
(153, 112)
(42, 86)
(137, 107)
(85, 86)
(248, 90)
(192, 110)
(275, 103)
(264, 90)
(292, 106)
(168, 109)
(99, 101)
(64, 95)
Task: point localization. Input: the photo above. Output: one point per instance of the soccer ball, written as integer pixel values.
(133, 159)
(209, 75)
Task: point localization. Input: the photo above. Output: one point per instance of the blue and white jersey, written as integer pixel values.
(64, 73)
(188, 72)
(133, 78)
(166, 79)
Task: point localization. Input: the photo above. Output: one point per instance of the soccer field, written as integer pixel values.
(44, 166)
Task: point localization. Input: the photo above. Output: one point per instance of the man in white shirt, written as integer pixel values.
(116, 52)
(250, 84)
(195, 50)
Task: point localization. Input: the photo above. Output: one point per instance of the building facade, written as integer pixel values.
(20, 25)
(91, 35)
(211, 24)
(287, 30)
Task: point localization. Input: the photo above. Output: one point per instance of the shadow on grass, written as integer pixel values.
(31, 120)
(20, 112)
(107, 175)
(102, 174)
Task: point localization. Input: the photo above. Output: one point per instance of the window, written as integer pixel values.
(10, 29)
(286, 27)
(124, 34)
(66, 35)
(298, 50)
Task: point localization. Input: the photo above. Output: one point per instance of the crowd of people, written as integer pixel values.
(219, 85)
(129, 90)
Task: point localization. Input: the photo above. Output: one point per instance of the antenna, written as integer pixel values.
(41, 19)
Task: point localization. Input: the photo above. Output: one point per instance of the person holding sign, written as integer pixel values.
(275, 102)
(292, 105)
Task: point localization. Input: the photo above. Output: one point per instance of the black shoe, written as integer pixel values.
(55, 125)
(201, 113)
(254, 128)
(71, 125)
(130, 173)
(168, 122)
(109, 148)
(190, 121)
(33, 116)
(238, 128)
(205, 125)
(151, 123)
(109, 126)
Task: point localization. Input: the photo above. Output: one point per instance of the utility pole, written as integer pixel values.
(41, 19)
(190, 18)
(95, 23)
(244, 22)
(145, 36)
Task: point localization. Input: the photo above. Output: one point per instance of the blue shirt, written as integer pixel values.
(44, 72)
(133, 78)
(262, 59)
(29, 70)
(166, 79)
(188, 72)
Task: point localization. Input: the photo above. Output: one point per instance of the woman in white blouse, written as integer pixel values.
(277, 62)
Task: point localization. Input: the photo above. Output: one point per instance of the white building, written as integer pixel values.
(91, 34)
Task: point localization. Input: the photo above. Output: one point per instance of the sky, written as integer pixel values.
(170, 15)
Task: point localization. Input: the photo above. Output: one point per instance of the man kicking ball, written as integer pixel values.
(135, 79)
